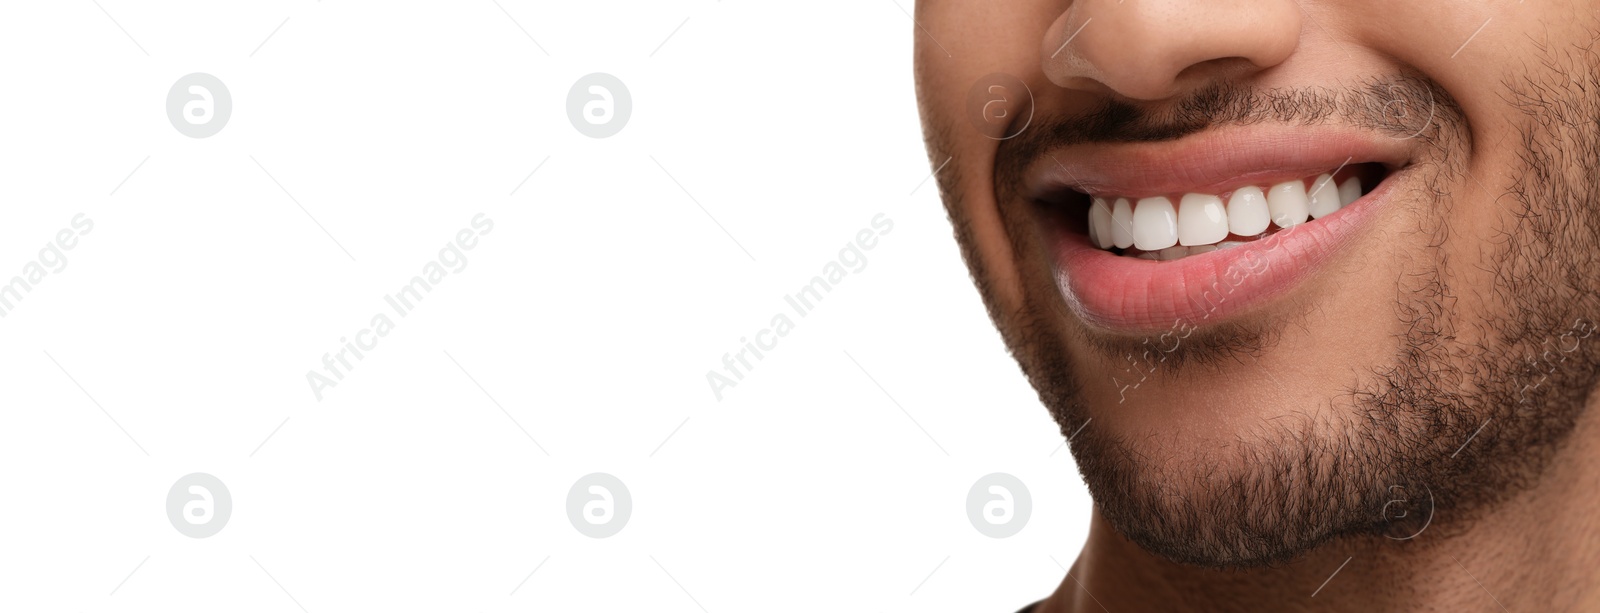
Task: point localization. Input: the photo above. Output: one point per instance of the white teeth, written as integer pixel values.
(1323, 197)
(1100, 223)
(1287, 203)
(1247, 211)
(1155, 224)
(1201, 220)
(1202, 223)
(1349, 191)
(1122, 224)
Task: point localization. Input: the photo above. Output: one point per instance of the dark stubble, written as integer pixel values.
(1290, 486)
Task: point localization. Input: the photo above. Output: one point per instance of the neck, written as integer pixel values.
(1536, 551)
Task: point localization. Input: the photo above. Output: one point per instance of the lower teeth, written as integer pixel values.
(1173, 253)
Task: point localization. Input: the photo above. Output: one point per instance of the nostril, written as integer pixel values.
(1221, 69)
(1157, 49)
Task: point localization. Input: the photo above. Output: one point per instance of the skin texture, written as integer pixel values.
(1415, 414)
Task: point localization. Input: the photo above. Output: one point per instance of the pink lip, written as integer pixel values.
(1129, 294)
(1218, 161)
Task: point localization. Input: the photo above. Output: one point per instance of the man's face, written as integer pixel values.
(1276, 264)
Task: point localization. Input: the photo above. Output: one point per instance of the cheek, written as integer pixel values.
(964, 160)
(1483, 226)
(1471, 49)
(957, 45)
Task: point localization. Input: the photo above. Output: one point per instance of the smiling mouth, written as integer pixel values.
(1199, 230)
(1174, 226)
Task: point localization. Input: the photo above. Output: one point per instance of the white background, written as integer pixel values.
(192, 312)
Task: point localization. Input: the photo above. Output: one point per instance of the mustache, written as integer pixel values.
(1401, 106)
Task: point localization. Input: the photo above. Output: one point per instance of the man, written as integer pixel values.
(1314, 283)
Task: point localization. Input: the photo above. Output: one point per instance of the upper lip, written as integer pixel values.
(1212, 162)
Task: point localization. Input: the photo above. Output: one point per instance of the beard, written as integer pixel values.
(1444, 424)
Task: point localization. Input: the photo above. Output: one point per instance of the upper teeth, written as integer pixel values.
(1153, 224)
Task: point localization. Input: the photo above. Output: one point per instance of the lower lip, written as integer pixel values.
(1128, 294)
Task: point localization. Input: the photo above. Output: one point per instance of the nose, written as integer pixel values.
(1155, 49)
